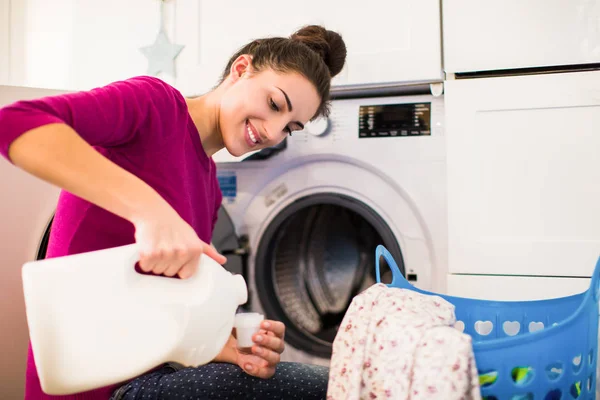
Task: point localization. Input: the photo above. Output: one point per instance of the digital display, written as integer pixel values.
(394, 120)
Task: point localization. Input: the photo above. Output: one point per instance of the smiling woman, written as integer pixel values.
(134, 160)
(272, 87)
(264, 115)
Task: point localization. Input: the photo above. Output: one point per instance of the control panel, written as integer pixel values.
(394, 120)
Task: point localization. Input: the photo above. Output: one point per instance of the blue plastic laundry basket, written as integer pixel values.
(544, 349)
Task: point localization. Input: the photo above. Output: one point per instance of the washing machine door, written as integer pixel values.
(314, 257)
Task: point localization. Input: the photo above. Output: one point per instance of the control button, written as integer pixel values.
(318, 127)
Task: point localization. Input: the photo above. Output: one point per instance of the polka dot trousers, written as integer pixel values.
(227, 381)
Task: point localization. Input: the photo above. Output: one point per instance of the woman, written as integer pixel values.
(134, 160)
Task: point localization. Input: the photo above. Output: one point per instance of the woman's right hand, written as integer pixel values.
(168, 245)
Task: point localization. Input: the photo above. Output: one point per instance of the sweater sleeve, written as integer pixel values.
(107, 116)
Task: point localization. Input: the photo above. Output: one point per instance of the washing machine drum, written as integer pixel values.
(314, 257)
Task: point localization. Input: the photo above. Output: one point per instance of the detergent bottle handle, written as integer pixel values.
(135, 278)
(397, 278)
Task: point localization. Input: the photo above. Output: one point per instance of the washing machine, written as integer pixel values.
(301, 221)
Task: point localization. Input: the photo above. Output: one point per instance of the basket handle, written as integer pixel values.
(397, 278)
(594, 285)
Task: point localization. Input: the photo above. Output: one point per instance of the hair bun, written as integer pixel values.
(328, 44)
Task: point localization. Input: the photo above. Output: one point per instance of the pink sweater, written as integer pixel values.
(141, 124)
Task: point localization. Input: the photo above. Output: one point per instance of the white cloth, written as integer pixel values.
(400, 344)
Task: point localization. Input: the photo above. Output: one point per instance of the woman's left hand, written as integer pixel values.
(265, 354)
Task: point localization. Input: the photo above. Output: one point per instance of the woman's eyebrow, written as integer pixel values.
(289, 104)
(287, 99)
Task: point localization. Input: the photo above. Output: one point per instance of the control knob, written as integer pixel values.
(318, 127)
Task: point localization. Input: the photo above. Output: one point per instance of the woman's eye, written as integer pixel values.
(273, 105)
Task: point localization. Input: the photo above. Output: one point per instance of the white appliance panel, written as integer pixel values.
(523, 174)
(485, 35)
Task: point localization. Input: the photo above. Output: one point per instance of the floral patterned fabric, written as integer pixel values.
(399, 344)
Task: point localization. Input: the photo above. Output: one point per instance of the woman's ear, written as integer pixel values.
(242, 65)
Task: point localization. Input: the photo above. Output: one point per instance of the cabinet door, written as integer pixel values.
(79, 44)
(107, 37)
(387, 40)
(40, 43)
(4, 41)
(524, 174)
(494, 35)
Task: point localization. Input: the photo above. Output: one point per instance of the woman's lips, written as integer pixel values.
(251, 133)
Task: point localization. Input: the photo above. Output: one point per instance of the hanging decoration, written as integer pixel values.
(162, 54)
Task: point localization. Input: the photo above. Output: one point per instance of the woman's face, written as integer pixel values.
(259, 109)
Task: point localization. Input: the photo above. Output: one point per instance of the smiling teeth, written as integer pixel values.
(251, 135)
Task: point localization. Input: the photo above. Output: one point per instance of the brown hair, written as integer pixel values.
(313, 51)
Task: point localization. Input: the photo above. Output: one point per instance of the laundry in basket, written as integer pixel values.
(400, 344)
(525, 350)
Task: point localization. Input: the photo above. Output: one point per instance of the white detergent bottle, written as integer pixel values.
(94, 321)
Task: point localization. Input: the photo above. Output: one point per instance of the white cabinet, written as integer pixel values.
(524, 174)
(496, 35)
(107, 37)
(387, 40)
(40, 43)
(4, 41)
(79, 44)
